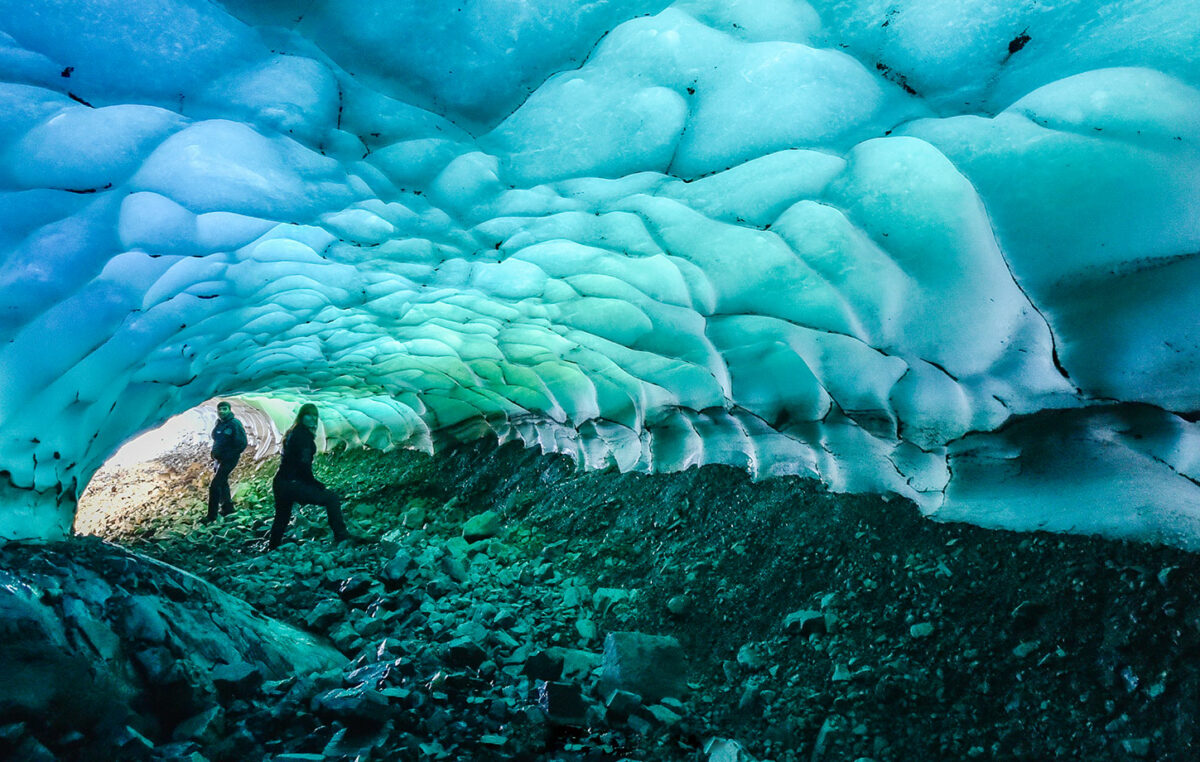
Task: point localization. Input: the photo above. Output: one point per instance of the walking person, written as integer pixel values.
(229, 441)
(295, 483)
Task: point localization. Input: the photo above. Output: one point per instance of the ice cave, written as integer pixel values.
(939, 258)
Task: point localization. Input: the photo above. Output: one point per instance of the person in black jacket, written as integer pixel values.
(295, 483)
(229, 440)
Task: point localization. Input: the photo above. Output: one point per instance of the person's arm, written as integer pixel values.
(308, 456)
(285, 458)
(239, 434)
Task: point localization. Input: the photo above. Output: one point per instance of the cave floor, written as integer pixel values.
(943, 641)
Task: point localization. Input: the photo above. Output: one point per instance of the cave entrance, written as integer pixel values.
(160, 478)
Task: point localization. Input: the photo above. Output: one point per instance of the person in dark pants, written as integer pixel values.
(295, 483)
(229, 440)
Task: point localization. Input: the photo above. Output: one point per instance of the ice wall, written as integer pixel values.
(943, 250)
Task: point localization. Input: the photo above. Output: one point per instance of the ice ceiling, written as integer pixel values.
(947, 250)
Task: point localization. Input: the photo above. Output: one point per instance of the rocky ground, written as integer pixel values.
(510, 607)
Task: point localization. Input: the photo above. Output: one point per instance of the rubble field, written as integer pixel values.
(502, 604)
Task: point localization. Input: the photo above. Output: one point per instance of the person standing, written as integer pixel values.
(295, 483)
(229, 441)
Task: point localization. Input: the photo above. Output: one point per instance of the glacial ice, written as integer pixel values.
(945, 251)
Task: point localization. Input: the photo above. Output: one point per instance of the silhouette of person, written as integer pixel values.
(229, 440)
(295, 483)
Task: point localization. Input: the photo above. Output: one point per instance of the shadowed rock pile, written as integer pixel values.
(101, 649)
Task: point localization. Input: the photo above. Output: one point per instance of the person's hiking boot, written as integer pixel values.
(271, 544)
(227, 510)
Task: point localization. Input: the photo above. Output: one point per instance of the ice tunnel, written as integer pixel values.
(949, 251)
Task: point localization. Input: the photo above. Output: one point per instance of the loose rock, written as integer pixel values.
(482, 526)
(804, 622)
(653, 666)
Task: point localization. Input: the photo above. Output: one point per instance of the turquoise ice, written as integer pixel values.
(947, 251)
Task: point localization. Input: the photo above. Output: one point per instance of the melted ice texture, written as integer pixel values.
(942, 250)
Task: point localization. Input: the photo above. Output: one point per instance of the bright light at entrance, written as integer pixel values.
(184, 431)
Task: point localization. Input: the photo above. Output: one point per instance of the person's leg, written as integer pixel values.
(283, 513)
(225, 499)
(214, 501)
(312, 494)
(226, 495)
(218, 490)
(333, 508)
